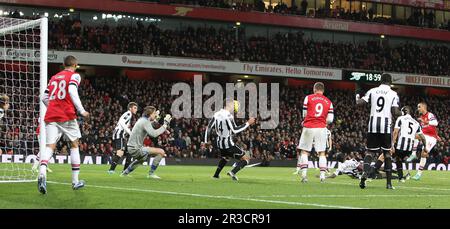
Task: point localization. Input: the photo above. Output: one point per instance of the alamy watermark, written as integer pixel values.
(258, 99)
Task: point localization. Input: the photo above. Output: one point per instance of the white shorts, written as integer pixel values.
(316, 136)
(431, 142)
(54, 130)
(57, 139)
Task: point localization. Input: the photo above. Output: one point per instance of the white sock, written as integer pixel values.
(36, 161)
(304, 164)
(45, 156)
(298, 163)
(423, 161)
(75, 160)
(322, 166)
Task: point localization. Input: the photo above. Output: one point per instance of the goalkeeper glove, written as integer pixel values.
(167, 119)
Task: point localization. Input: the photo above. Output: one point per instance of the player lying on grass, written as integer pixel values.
(347, 165)
(136, 148)
(353, 168)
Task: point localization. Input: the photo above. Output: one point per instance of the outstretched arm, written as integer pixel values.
(237, 129)
(363, 100)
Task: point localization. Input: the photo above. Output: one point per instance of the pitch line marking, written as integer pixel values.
(214, 197)
(348, 196)
(400, 187)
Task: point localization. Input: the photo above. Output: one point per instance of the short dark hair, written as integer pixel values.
(132, 104)
(70, 61)
(406, 110)
(424, 103)
(148, 110)
(386, 78)
(319, 86)
(4, 99)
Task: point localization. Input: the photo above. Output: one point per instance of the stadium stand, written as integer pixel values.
(419, 17)
(221, 44)
(102, 96)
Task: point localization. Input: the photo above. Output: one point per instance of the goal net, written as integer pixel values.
(23, 78)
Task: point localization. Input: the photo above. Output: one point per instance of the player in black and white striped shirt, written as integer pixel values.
(225, 126)
(119, 137)
(384, 103)
(405, 131)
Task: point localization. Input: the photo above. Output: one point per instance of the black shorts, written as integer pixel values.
(234, 152)
(379, 141)
(120, 144)
(402, 153)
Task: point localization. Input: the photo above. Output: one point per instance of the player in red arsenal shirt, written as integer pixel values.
(61, 99)
(317, 113)
(429, 123)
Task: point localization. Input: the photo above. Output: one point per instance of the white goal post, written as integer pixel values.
(23, 78)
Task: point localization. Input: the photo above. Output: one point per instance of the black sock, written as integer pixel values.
(388, 169)
(127, 161)
(115, 160)
(399, 164)
(367, 161)
(241, 164)
(378, 164)
(374, 169)
(222, 164)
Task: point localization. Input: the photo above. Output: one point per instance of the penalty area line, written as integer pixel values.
(214, 197)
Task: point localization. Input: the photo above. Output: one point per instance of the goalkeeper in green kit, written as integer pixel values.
(136, 148)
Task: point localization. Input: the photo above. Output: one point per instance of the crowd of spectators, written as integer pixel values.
(106, 98)
(224, 44)
(17, 128)
(419, 17)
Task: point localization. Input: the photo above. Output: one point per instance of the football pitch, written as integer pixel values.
(188, 187)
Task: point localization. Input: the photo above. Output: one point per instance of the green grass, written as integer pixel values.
(188, 187)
